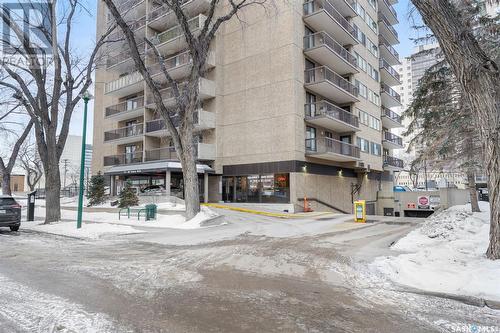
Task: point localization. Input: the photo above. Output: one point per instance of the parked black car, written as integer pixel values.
(10, 213)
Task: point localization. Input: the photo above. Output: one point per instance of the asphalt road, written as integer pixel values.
(254, 274)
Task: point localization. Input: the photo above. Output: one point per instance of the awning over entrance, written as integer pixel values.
(153, 167)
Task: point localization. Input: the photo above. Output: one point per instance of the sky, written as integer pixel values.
(84, 38)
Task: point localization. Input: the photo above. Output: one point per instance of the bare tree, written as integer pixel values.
(48, 87)
(479, 79)
(31, 164)
(10, 128)
(186, 93)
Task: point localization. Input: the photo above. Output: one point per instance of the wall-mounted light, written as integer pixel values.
(340, 173)
(304, 169)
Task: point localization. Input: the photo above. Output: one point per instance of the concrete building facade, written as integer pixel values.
(297, 102)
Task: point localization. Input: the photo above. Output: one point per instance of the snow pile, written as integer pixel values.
(447, 254)
(90, 231)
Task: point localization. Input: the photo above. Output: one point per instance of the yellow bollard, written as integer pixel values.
(360, 211)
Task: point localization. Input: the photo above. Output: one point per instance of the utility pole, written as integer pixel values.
(65, 171)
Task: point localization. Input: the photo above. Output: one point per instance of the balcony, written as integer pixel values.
(389, 12)
(125, 85)
(123, 159)
(162, 17)
(321, 15)
(135, 25)
(125, 135)
(129, 8)
(204, 152)
(203, 120)
(172, 40)
(393, 163)
(331, 149)
(386, 30)
(161, 154)
(329, 84)
(323, 49)
(391, 141)
(390, 119)
(332, 117)
(122, 61)
(388, 74)
(126, 110)
(389, 97)
(206, 91)
(388, 52)
(178, 66)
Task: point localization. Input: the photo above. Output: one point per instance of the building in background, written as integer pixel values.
(69, 163)
(297, 102)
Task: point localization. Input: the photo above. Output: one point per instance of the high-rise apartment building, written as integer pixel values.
(297, 102)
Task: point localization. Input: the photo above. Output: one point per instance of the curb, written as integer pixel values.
(257, 212)
(469, 300)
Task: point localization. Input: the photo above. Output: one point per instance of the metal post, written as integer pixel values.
(205, 187)
(86, 97)
(168, 180)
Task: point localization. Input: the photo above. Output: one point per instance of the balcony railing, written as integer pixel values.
(391, 115)
(393, 161)
(323, 73)
(384, 19)
(391, 9)
(322, 38)
(122, 159)
(160, 154)
(172, 62)
(132, 104)
(310, 7)
(160, 125)
(330, 110)
(134, 26)
(388, 136)
(124, 6)
(161, 11)
(388, 90)
(166, 94)
(122, 82)
(383, 41)
(327, 145)
(122, 57)
(124, 132)
(385, 65)
(176, 32)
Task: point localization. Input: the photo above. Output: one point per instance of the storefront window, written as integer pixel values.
(269, 188)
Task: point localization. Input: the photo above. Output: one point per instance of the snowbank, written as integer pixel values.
(90, 231)
(447, 254)
(174, 221)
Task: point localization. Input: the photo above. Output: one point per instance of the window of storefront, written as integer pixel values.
(267, 188)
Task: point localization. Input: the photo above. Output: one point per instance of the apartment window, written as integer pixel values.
(376, 149)
(373, 73)
(360, 36)
(310, 138)
(372, 47)
(362, 64)
(368, 120)
(362, 89)
(373, 3)
(364, 145)
(374, 97)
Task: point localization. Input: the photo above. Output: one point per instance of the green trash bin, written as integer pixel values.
(151, 212)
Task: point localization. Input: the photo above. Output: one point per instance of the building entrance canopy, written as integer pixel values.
(153, 167)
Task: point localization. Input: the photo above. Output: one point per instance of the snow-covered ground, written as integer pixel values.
(88, 230)
(175, 221)
(447, 254)
(23, 309)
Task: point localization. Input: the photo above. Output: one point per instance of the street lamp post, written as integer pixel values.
(86, 96)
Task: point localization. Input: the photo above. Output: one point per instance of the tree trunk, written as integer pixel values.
(6, 183)
(52, 195)
(471, 179)
(479, 80)
(191, 188)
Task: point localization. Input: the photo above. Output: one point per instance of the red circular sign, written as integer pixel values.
(423, 201)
